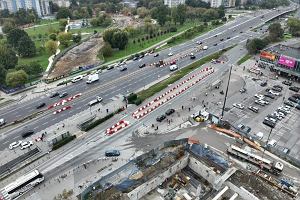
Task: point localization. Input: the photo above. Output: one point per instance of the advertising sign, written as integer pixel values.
(267, 55)
(289, 62)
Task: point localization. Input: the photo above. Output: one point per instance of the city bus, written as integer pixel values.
(21, 185)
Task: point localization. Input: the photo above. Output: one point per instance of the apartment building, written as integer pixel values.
(173, 3)
(40, 6)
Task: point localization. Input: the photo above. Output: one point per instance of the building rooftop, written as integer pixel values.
(286, 50)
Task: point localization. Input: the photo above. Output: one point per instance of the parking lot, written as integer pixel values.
(285, 134)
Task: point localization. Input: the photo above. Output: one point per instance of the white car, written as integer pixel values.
(259, 96)
(238, 105)
(264, 102)
(15, 144)
(77, 78)
(272, 143)
(259, 135)
(173, 67)
(170, 54)
(270, 119)
(274, 93)
(26, 144)
(280, 115)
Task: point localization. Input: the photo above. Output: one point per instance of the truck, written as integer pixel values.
(95, 101)
(265, 164)
(92, 78)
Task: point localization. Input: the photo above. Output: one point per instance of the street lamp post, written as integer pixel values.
(226, 92)
(267, 142)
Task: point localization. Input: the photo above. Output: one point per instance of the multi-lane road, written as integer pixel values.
(114, 82)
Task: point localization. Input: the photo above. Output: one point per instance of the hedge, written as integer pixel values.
(63, 142)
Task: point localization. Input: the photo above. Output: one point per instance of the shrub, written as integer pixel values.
(131, 98)
(173, 29)
(63, 142)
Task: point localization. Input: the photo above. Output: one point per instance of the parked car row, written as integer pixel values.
(23, 145)
(280, 113)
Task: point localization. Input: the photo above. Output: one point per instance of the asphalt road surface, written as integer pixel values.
(115, 82)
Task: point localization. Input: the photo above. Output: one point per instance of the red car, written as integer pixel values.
(173, 62)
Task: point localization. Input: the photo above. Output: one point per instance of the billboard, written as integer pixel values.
(267, 55)
(288, 62)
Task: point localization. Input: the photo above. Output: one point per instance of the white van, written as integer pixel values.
(173, 67)
(2, 122)
(77, 78)
(205, 47)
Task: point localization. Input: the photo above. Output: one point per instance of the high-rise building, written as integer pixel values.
(62, 3)
(216, 3)
(173, 3)
(40, 6)
(229, 3)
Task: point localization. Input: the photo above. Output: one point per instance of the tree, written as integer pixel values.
(180, 14)
(53, 36)
(26, 47)
(294, 26)
(77, 37)
(16, 78)
(14, 36)
(63, 13)
(255, 45)
(8, 26)
(143, 12)
(108, 35)
(3, 72)
(275, 31)
(161, 14)
(8, 58)
(51, 46)
(120, 39)
(65, 38)
(106, 50)
(4, 13)
(53, 7)
(197, 3)
(33, 68)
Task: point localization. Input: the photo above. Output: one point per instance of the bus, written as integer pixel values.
(21, 185)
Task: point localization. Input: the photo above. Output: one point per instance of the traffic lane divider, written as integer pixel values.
(115, 128)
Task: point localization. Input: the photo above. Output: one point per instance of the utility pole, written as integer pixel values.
(267, 142)
(226, 92)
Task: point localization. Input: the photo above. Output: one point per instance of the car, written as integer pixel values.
(238, 105)
(55, 94)
(228, 38)
(199, 42)
(282, 111)
(63, 95)
(99, 71)
(259, 135)
(110, 67)
(111, 153)
(173, 67)
(271, 119)
(269, 123)
(298, 107)
(135, 58)
(216, 35)
(221, 39)
(170, 54)
(272, 143)
(15, 144)
(275, 116)
(259, 102)
(263, 84)
(40, 105)
(286, 150)
(294, 88)
(27, 133)
(77, 78)
(243, 128)
(156, 55)
(215, 44)
(170, 111)
(192, 57)
(274, 93)
(254, 109)
(26, 144)
(243, 90)
(293, 99)
(173, 62)
(2, 122)
(297, 96)
(264, 101)
(279, 114)
(161, 118)
(142, 65)
(241, 31)
(288, 83)
(269, 95)
(276, 89)
(278, 86)
(259, 96)
(234, 30)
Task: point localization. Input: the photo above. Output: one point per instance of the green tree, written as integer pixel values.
(108, 35)
(4, 13)
(8, 26)
(16, 78)
(53, 36)
(26, 47)
(63, 13)
(14, 36)
(77, 37)
(120, 39)
(294, 26)
(275, 31)
(143, 12)
(180, 14)
(33, 68)
(53, 7)
(8, 58)
(161, 15)
(255, 45)
(51, 46)
(3, 72)
(106, 50)
(65, 39)
(94, 22)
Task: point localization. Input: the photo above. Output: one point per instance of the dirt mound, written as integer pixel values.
(81, 55)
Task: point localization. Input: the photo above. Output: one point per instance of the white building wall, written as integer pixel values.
(40, 6)
(173, 3)
(215, 3)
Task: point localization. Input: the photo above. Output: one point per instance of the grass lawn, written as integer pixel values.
(134, 48)
(244, 59)
(44, 29)
(178, 75)
(41, 58)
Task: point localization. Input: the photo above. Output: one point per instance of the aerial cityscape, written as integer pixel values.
(149, 99)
